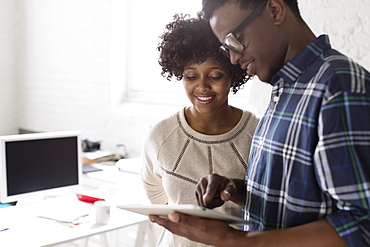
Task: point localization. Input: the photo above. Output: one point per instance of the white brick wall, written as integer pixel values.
(7, 67)
(57, 52)
(346, 22)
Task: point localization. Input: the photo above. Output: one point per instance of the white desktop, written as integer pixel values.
(27, 225)
(24, 228)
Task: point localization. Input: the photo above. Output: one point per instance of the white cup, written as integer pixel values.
(102, 212)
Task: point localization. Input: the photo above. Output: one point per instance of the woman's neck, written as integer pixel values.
(215, 123)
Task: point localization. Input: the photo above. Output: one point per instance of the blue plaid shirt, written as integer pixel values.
(310, 156)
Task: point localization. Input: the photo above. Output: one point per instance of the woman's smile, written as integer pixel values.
(205, 99)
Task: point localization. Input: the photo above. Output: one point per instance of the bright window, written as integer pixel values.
(136, 74)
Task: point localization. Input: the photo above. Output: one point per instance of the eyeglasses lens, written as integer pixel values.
(231, 43)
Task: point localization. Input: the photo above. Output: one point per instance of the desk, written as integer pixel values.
(28, 230)
(25, 229)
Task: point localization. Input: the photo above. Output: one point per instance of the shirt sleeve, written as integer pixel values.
(151, 179)
(342, 162)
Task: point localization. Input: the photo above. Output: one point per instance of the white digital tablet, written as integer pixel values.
(193, 210)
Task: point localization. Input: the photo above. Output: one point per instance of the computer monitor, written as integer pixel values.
(38, 164)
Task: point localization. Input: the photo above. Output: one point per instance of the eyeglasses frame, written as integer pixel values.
(224, 48)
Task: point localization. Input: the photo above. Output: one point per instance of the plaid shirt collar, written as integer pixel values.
(294, 68)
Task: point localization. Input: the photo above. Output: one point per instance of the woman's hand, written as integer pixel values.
(214, 190)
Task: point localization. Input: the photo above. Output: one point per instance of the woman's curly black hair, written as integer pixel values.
(190, 40)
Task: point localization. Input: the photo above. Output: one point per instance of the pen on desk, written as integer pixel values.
(5, 229)
(128, 171)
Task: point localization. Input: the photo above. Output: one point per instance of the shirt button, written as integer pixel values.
(260, 143)
(276, 99)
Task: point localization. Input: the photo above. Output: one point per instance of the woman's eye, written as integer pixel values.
(215, 78)
(191, 77)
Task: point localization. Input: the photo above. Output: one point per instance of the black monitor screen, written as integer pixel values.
(35, 165)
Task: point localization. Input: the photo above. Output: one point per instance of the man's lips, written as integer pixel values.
(248, 67)
(205, 99)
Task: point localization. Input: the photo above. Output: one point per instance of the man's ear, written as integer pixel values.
(277, 11)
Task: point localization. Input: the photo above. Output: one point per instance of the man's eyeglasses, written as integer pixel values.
(231, 42)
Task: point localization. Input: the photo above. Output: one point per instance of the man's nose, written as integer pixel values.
(234, 57)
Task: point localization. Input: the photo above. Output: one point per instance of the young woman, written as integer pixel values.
(210, 136)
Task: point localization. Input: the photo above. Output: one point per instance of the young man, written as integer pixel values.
(308, 180)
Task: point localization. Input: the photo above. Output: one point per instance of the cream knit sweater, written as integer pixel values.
(175, 157)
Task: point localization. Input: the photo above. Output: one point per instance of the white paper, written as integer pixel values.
(64, 209)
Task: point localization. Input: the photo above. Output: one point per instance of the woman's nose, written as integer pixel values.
(203, 85)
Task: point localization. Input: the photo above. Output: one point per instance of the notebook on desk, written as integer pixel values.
(130, 165)
(90, 168)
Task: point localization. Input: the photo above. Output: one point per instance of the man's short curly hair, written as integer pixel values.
(190, 40)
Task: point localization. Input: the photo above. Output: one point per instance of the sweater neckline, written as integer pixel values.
(225, 137)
